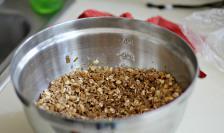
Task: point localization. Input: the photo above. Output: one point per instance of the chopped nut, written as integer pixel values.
(126, 78)
(143, 92)
(101, 104)
(107, 92)
(118, 82)
(152, 88)
(67, 59)
(157, 93)
(52, 82)
(175, 94)
(91, 81)
(72, 98)
(95, 62)
(106, 110)
(63, 90)
(111, 69)
(59, 107)
(112, 110)
(82, 108)
(127, 102)
(93, 68)
(119, 96)
(67, 82)
(161, 81)
(168, 76)
(80, 81)
(136, 102)
(100, 90)
(169, 98)
(47, 93)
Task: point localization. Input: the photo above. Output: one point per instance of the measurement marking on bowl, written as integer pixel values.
(125, 54)
(127, 42)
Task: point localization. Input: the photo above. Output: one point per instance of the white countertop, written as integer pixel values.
(205, 110)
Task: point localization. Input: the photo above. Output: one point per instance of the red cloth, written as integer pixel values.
(94, 13)
(158, 20)
(127, 15)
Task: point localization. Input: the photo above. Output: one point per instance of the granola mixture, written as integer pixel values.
(109, 92)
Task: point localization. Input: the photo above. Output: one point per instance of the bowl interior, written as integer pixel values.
(114, 43)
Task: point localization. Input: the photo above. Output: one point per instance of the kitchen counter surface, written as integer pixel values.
(204, 113)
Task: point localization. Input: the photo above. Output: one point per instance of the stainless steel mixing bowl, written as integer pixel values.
(114, 42)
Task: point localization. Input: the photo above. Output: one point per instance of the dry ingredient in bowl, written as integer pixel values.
(107, 93)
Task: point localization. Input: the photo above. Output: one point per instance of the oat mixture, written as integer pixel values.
(107, 93)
